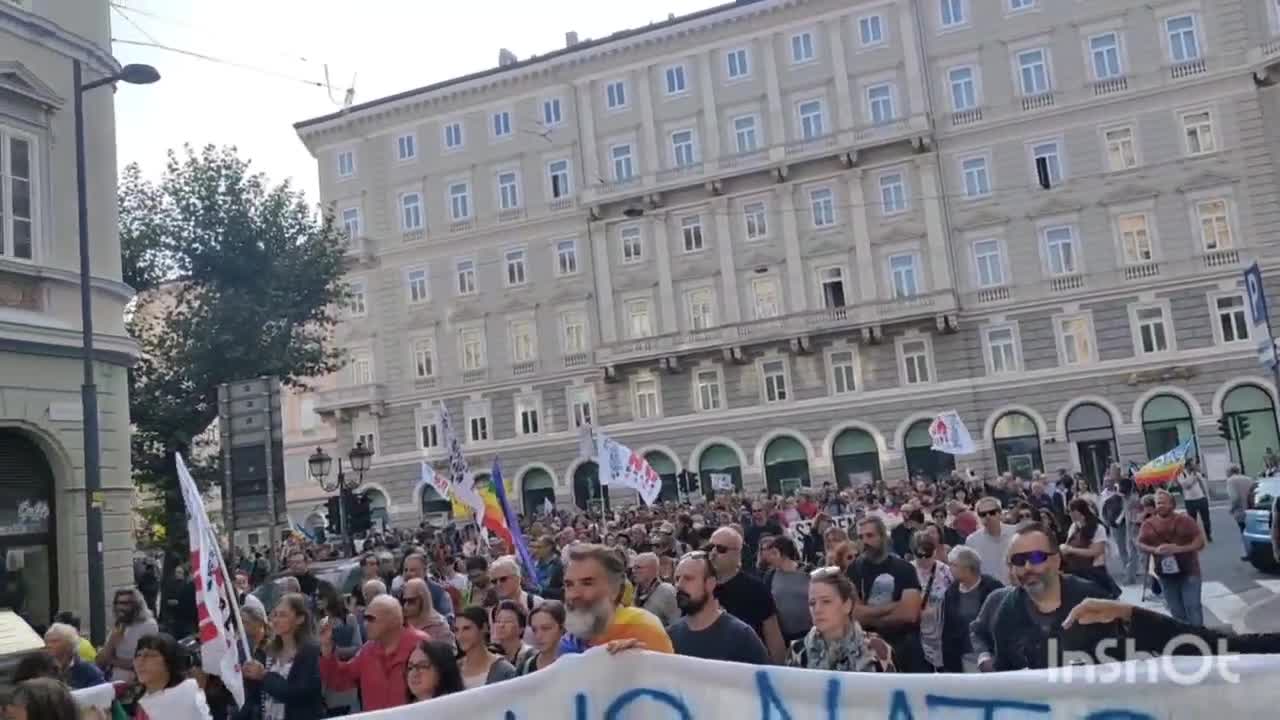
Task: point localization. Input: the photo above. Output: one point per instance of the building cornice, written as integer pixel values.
(114, 288)
(42, 31)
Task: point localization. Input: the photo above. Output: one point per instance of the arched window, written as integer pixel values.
(786, 465)
(536, 487)
(587, 492)
(432, 505)
(922, 459)
(855, 458)
(27, 512)
(666, 469)
(1250, 407)
(719, 460)
(1166, 424)
(1091, 431)
(1016, 441)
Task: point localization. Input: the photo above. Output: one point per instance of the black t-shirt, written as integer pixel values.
(751, 542)
(883, 583)
(747, 599)
(728, 638)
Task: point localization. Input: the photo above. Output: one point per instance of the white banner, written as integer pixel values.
(950, 435)
(645, 686)
(461, 483)
(620, 466)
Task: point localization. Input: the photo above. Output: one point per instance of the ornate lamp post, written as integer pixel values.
(319, 465)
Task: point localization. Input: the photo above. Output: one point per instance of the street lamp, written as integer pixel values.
(134, 75)
(319, 465)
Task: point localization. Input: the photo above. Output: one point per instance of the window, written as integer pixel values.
(616, 95)
(527, 412)
(460, 201)
(707, 386)
(622, 169)
(466, 272)
(1233, 319)
(367, 438)
(1047, 151)
(893, 194)
(429, 433)
(880, 103)
(831, 284)
(691, 231)
(1153, 334)
(744, 134)
(356, 302)
(682, 148)
(580, 403)
(453, 135)
(1215, 224)
(764, 296)
(964, 91)
(346, 163)
(1060, 249)
(645, 393)
(515, 267)
(501, 124)
(675, 80)
(471, 346)
(416, 283)
(573, 332)
(638, 323)
(361, 367)
(1104, 50)
(844, 371)
(424, 359)
(988, 262)
(410, 211)
(406, 147)
(977, 182)
(811, 121)
(551, 115)
(774, 374)
(1021, 4)
(904, 272)
(1198, 129)
(871, 30)
(1121, 153)
(1135, 238)
(755, 216)
(524, 343)
(477, 421)
(1033, 72)
(736, 61)
(632, 249)
(1183, 43)
(952, 12)
(802, 47)
(350, 223)
(508, 191)
(701, 309)
(822, 203)
(915, 361)
(558, 175)
(567, 257)
(1002, 351)
(1076, 340)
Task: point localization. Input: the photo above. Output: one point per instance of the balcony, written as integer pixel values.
(561, 204)
(577, 360)
(680, 172)
(966, 117)
(1188, 69)
(462, 226)
(1265, 61)
(746, 159)
(349, 399)
(1031, 103)
(521, 369)
(511, 215)
(471, 377)
(1110, 86)
(992, 295)
(808, 145)
(1142, 271)
(1066, 283)
(1222, 258)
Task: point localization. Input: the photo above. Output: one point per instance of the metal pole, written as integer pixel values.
(342, 513)
(228, 499)
(272, 514)
(89, 389)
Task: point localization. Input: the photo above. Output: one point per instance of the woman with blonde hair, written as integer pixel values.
(837, 641)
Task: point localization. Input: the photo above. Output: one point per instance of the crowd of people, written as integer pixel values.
(959, 575)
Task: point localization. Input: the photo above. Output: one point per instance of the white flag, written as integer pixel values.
(950, 435)
(215, 602)
(437, 481)
(461, 482)
(620, 466)
(721, 481)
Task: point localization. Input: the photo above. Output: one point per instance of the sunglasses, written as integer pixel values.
(1034, 557)
(722, 549)
(370, 618)
(988, 513)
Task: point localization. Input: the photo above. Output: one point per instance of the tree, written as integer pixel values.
(236, 279)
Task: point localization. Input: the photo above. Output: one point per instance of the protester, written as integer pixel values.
(992, 540)
(761, 525)
(257, 634)
(745, 597)
(41, 699)
(510, 623)
(478, 664)
(300, 569)
(935, 579)
(420, 614)
(1195, 495)
(378, 669)
(1158, 634)
(1084, 554)
(167, 693)
(133, 622)
(1175, 541)
(432, 671)
(1240, 488)
(706, 630)
(593, 582)
(837, 641)
(652, 593)
(507, 578)
(415, 567)
(63, 642)
(889, 588)
(547, 621)
(960, 607)
(290, 676)
(550, 568)
(788, 583)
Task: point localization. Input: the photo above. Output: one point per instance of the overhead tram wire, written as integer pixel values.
(152, 15)
(221, 61)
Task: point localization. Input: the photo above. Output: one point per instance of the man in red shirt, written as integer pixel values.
(1174, 542)
(379, 668)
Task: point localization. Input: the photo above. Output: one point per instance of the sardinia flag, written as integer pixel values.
(1164, 468)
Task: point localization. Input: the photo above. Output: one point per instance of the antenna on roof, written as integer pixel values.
(506, 57)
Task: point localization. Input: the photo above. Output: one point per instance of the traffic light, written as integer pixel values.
(688, 481)
(335, 516)
(1224, 428)
(360, 514)
(1242, 427)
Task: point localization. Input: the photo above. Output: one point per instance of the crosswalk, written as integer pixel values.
(1223, 605)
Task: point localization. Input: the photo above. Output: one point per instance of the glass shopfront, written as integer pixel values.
(28, 552)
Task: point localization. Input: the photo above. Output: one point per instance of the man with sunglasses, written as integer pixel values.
(742, 595)
(992, 540)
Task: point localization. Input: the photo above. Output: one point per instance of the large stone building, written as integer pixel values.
(774, 238)
(43, 547)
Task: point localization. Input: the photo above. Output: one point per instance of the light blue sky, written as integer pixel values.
(388, 45)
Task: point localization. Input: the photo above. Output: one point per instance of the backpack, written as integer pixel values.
(1113, 510)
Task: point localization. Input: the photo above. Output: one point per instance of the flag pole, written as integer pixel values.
(230, 590)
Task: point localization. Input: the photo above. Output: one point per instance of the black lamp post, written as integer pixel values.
(319, 465)
(134, 75)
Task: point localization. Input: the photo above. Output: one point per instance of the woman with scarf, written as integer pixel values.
(837, 641)
(935, 578)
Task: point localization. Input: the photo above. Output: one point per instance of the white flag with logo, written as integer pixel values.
(950, 435)
(721, 481)
(461, 483)
(619, 465)
(438, 481)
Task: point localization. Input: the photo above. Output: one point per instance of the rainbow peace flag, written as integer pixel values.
(1165, 468)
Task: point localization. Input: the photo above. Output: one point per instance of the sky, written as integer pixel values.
(273, 55)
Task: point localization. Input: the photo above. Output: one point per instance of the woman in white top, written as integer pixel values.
(167, 693)
(1084, 554)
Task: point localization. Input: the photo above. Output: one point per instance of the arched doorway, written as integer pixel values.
(922, 459)
(432, 505)
(587, 492)
(1016, 441)
(1166, 424)
(786, 465)
(1090, 429)
(28, 547)
(855, 458)
(379, 518)
(1251, 405)
(536, 487)
(718, 460)
(666, 469)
